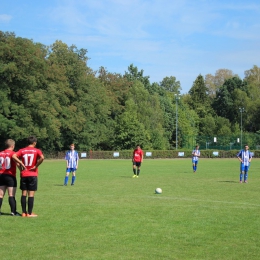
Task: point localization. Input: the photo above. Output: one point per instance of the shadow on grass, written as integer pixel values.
(5, 214)
(59, 185)
(229, 181)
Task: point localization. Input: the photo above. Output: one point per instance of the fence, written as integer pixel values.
(227, 142)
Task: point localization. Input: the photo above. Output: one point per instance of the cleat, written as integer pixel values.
(240, 181)
(134, 176)
(32, 215)
(137, 176)
(16, 214)
(245, 181)
(24, 215)
(65, 185)
(72, 184)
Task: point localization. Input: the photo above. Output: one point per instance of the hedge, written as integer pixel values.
(156, 154)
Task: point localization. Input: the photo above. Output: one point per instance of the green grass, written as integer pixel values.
(109, 215)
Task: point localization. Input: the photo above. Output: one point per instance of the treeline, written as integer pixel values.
(50, 91)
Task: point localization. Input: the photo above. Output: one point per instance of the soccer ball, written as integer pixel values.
(158, 190)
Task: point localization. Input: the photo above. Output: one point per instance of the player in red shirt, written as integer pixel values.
(137, 160)
(31, 158)
(8, 176)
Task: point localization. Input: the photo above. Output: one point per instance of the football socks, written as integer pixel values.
(30, 204)
(23, 203)
(66, 180)
(12, 204)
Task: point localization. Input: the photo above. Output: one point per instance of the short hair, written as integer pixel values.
(72, 144)
(32, 139)
(9, 143)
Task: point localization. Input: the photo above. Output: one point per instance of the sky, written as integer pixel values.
(180, 38)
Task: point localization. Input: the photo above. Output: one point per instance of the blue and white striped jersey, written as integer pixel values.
(245, 156)
(195, 155)
(72, 157)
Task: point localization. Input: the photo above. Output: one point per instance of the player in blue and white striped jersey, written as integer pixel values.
(72, 161)
(195, 158)
(245, 157)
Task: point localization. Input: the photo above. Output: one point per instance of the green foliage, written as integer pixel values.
(170, 84)
(129, 130)
(134, 75)
(49, 91)
(200, 100)
(229, 98)
(223, 126)
(207, 125)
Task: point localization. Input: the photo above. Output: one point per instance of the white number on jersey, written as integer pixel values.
(28, 159)
(6, 162)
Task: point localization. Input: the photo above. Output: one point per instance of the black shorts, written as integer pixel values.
(29, 183)
(138, 164)
(8, 180)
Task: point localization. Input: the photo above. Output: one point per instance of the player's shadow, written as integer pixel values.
(58, 185)
(229, 181)
(5, 214)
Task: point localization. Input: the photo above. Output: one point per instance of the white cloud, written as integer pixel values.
(5, 18)
(180, 38)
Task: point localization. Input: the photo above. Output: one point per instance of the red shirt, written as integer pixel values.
(8, 164)
(138, 155)
(29, 157)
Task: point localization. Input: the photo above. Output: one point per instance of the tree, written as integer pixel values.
(134, 75)
(117, 88)
(231, 96)
(199, 99)
(223, 126)
(129, 131)
(213, 83)
(23, 71)
(207, 126)
(170, 84)
(252, 77)
(188, 122)
(149, 112)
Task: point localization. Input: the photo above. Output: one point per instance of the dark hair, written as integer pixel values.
(32, 139)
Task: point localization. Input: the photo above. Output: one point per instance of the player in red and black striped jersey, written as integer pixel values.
(31, 158)
(137, 160)
(8, 176)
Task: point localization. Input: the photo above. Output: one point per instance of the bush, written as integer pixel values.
(156, 154)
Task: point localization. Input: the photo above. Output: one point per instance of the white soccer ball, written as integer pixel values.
(158, 190)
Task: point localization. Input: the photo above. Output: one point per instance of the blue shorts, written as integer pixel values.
(195, 161)
(244, 168)
(71, 169)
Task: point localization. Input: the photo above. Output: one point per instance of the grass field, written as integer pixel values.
(110, 215)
